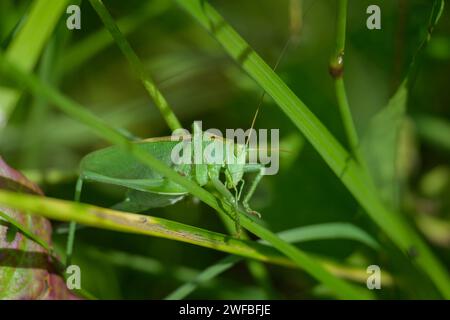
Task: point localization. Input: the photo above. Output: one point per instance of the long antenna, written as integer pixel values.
(295, 28)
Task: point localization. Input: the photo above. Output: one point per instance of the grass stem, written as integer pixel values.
(337, 72)
(137, 65)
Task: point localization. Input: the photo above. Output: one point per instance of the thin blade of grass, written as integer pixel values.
(88, 47)
(210, 273)
(301, 234)
(140, 224)
(137, 65)
(334, 230)
(203, 277)
(27, 45)
(27, 232)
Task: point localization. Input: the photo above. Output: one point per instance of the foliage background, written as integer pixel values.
(202, 83)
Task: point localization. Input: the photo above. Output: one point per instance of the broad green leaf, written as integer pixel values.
(381, 142)
(380, 145)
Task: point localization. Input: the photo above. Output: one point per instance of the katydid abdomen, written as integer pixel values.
(148, 189)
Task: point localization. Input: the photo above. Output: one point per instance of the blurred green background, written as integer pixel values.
(202, 83)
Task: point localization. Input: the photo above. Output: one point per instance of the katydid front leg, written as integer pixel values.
(73, 224)
(227, 196)
(259, 169)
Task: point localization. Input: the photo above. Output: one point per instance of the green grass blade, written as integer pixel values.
(137, 65)
(27, 232)
(76, 111)
(301, 234)
(27, 45)
(73, 225)
(326, 231)
(380, 143)
(203, 277)
(86, 48)
(338, 159)
(139, 224)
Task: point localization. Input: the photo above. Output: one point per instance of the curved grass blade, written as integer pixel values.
(207, 275)
(380, 143)
(140, 224)
(297, 235)
(203, 277)
(434, 130)
(86, 48)
(26, 231)
(326, 231)
(136, 64)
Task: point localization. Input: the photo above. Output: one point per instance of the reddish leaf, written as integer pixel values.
(26, 269)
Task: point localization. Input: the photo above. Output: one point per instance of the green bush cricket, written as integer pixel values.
(148, 189)
(222, 173)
